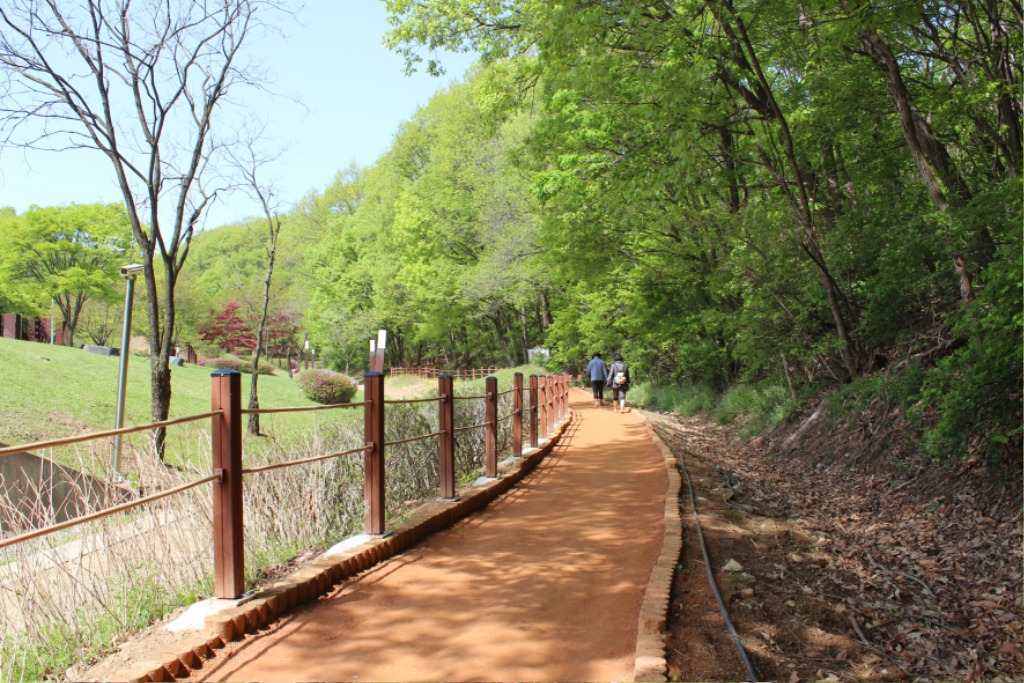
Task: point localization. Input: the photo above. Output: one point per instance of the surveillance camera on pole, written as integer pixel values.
(129, 273)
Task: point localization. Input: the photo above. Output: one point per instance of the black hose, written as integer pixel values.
(711, 579)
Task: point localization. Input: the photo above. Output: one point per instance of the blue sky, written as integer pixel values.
(353, 95)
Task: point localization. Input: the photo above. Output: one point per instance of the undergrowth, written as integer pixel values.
(758, 406)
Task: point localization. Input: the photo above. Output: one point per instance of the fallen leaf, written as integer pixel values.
(732, 566)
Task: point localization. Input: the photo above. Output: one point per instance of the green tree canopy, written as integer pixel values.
(69, 254)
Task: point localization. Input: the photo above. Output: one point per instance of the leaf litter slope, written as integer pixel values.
(850, 570)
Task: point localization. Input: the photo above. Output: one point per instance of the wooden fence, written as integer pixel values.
(547, 406)
(14, 326)
(434, 373)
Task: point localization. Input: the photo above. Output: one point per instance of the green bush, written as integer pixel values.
(327, 387)
(241, 365)
(227, 363)
(977, 390)
(686, 399)
(764, 405)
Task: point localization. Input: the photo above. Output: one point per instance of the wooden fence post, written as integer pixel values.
(568, 386)
(545, 408)
(446, 425)
(517, 415)
(491, 430)
(373, 471)
(563, 385)
(228, 540)
(534, 418)
(561, 398)
(557, 379)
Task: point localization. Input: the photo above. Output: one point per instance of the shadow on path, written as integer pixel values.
(545, 584)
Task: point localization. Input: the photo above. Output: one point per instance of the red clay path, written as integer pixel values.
(545, 584)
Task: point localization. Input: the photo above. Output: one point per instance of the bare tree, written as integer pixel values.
(249, 166)
(142, 83)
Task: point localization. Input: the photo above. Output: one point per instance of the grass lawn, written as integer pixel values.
(48, 392)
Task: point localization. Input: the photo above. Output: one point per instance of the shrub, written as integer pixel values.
(685, 399)
(243, 366)
(227, 363)
(763, 406)
(327, 387)
(977, 390)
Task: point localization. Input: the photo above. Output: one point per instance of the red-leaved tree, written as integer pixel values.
(228, 330)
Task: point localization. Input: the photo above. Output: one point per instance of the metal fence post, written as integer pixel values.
(491, 430)
(517, 415)
(446, 425)
(373, 472)
(228, 539)
(534, 418)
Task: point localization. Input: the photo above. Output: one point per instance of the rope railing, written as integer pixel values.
(107, 512)
(548, 405)
(302, 461)
(301, 409)
(411, 439)
(459, 430)
(405, 401)
(67, 441)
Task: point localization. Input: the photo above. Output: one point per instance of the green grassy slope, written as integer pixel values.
(48, 392)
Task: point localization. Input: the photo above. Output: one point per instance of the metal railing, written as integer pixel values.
(548, 405)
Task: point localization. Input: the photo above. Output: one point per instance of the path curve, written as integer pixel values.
(545, 584)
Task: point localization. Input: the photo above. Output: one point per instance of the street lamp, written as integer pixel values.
(129, 274)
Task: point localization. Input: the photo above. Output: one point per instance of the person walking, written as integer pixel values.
(618, 381)
(598, 372)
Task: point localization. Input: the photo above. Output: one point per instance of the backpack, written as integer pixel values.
(620, 378)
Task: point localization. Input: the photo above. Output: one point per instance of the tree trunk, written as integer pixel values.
(931, 157)
(545, 311)
(274, 228)
(769, 106)
(524, 322)
(160, 357)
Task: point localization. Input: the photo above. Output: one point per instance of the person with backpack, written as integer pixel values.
(618, 381)
(598, 372)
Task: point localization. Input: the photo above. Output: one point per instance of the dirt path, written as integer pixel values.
(544, 585)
